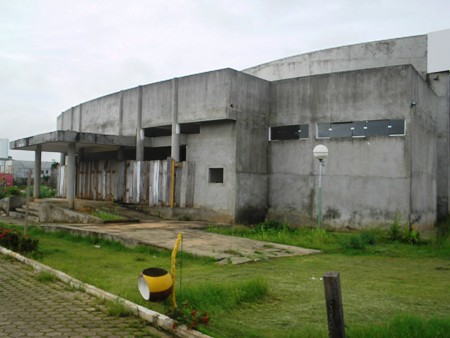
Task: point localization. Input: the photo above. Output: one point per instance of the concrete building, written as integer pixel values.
(242, 141)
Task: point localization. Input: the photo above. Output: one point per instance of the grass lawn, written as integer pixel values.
(383, 285)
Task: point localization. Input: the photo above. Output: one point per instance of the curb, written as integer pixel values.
(155, 319)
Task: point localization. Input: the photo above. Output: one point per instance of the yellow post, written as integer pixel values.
(172, 270)
(172, 188)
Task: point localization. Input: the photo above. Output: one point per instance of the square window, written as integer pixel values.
(323, 130)
(377, 128)
(341, 129)
(215, 175)
(292, 132)
(396, 127)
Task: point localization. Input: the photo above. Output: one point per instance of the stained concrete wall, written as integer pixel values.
(157, 104)
(410, 50)
(214, 147)
(204, 97)
(440, 84)
(250, 104)
(365, 180)
(129, 111)
(424, 138)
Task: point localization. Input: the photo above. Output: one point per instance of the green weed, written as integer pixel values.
(117, 309)
(405, 326)
(107, 215)
(45, 277)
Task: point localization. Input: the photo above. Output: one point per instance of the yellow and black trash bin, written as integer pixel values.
(155, 284)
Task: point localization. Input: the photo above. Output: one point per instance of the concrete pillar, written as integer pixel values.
(71, 176)
(175, 142)
(139, 144)
(37, 171)
(139, 130)
(62, 159)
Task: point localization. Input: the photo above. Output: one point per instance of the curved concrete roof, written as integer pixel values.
(393, 52)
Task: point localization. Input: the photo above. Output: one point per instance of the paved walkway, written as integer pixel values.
(29, 308)
(163, 234)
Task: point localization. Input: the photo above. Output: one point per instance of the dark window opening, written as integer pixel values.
(190, 128)
(396, 127)
(377, 128)
(323, 130)
(361, 128)
(158, 131)
(292, 132)
(157, 153)
(182, 153)
(215, 175)
(342, 129)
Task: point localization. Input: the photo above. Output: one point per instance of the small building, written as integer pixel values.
(240, 143)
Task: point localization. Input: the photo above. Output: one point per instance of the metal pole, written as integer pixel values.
(319, 211)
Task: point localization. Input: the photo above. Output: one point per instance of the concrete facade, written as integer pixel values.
(384, 118)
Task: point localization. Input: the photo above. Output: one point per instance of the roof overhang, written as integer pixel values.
(58, 141)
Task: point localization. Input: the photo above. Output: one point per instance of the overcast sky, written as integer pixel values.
(55, 54)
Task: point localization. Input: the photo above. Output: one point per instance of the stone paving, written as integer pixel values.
(30, 308)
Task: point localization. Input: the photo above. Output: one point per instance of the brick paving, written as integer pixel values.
(30, 308)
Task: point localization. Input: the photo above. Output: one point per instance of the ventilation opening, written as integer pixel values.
(215, 175)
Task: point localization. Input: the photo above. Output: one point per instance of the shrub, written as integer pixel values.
(47, 192)
(9, 191)
(354, 242)
(271, 225)
(15, 241)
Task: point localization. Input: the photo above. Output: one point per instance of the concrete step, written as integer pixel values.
(31, 205)
(31, 218)
(23, 210)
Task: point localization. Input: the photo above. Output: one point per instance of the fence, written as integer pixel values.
(163, 183)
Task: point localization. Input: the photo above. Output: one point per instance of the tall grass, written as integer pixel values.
(403, 326)
(215, 297)
(405, 243)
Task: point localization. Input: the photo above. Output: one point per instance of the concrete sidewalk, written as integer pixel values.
(197, 241)
(29, 308)
(161, 233)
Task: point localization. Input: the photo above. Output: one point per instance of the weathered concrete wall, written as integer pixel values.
(365, 179)
(440, 83)
(157, 104)
(424, 138)
(205, 96)
(410, 50)
(102, 115)
(250, 104)
(214, 147)
(251, 168)
(129, 115)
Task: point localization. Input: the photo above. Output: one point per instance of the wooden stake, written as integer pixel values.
(335, 312)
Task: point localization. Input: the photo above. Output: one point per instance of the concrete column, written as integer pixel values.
(175, 142)
(37, 171)
(71, 173)
(139, 144)
(139, 130)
